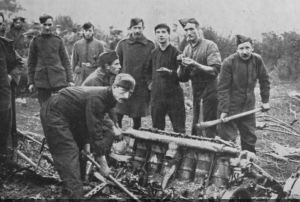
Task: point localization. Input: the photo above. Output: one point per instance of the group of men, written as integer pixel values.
(137, 79)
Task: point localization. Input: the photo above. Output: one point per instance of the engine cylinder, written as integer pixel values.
(222, 171)
(157, 154)
(203, 164)
(141, 153)
(187, 166)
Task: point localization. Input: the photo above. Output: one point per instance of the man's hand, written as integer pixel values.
(187, 62)
(118, 133)
(265, 107)
(223, 116)
(180, 57)
(87, 149)
(104, 170)
(9, 78)
(163, 71)
(71, 84)
(31, 88)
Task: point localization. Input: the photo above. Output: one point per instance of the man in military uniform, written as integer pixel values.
(73, 121)
(49, 68)
(134, 53)
(10, 67)
(161, 74)
(105, 76)
(16, 33)
(238, 78)
(85, 54)
(201, 62)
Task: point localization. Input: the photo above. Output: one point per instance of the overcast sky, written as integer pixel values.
(249, 17)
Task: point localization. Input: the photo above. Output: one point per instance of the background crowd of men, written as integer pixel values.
(97, 87)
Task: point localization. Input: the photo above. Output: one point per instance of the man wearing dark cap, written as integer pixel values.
(85, 54)
(49, 68)
(238, 78)
(105, 75)
(201, 62)
(16, 33)
(10, 68)
(161, 75)
(73, 121)
(134, 53)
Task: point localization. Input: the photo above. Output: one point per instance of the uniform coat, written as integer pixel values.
(10, 64)
(85, 51)
(70, 120)
(238, 79)
(48, 62)
(133, 55)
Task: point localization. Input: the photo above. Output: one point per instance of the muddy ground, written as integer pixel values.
(28, 185)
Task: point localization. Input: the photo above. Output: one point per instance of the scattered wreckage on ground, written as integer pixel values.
(172, 166)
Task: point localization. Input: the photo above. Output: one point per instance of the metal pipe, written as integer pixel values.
(189, 143)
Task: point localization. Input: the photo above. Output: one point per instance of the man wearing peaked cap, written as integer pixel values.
(85, 54)
(104, 75)
(74, 120)
(134, 53)
(200, 63)
(239, 75)
(16, 33)
(49, 68)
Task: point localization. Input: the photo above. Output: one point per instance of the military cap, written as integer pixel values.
(87, 25)
(19, 18)
(44, 18)
(107, 58)
(36, 23)
(183, 22)
(242, 39)
(125, 81)
(135, 21)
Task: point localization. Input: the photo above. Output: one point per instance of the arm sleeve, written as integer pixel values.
(225, 81)
(148, 70)
(120, 52)
(18, 67)
(75, 57)
(65, 61)
(183, 73)
(95, 122)
(32, 61)
(214, 58)
(264, 81)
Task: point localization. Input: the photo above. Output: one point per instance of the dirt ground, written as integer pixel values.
(32, 187)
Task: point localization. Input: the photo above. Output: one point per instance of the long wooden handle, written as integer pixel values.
(112, 178)
(207, 124)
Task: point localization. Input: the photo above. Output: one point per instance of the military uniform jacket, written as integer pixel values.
(100, 77)
(84, 52)
(89, 104)
(133, 55)
(48, 62)
(10, 63)
(238, 79)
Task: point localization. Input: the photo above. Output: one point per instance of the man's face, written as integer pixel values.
(244, 50)
(162, 35)
(191, 32)
(114, 68)
(88, 33)
(137, 30)
(47, 26)
(121, 94)
(18, 24)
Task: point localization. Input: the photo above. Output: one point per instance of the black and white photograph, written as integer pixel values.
(150, 100)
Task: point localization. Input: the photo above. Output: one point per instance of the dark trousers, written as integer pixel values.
(137, 122)
(5, 131)
(45, 93)
(210, 106)
(246, 126)
(175, 109)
